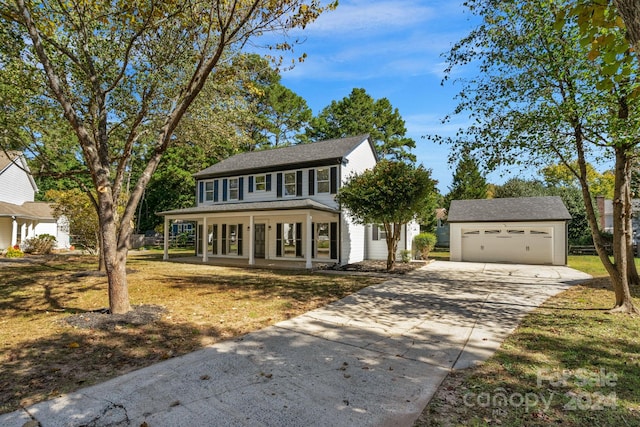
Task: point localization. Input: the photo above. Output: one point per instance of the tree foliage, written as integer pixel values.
(579, 232)
(359, 114)
(123, 74)
(81, 216)
(468, 181)
(392, 193)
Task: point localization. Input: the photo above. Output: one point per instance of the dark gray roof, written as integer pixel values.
(549, 208)
(303, 155)
(252, 206)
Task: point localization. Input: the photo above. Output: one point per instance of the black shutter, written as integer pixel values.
(268, 180)
(312, 184)
(239, 239)
(278, 239)
(299, 238)
(224, 239)
(299, 183)
(313, 239)
(333, 231)
(279, 184)
(224, 190)
(334, 180)
(241, 188)
(374, 232)
(201, 196)
(215, 190)
(251, 184)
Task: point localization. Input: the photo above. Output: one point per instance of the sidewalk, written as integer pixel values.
(374, 358)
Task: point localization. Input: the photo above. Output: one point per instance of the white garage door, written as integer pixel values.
(522, 245)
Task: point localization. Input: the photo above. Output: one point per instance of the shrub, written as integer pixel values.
(405, 255)
(42, 244)
(424, 242)
(14, 253)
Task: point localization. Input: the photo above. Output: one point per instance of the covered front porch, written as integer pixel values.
(303, 233)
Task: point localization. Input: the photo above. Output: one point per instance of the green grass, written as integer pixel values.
(570, 363)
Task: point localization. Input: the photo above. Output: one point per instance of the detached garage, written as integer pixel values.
(527, 230)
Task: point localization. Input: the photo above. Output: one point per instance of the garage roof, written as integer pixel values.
(550, 208)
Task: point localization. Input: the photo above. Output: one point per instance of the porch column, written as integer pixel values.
(307, 252)
(252, 259)
(205, 240)
(14, 231)
(165, 242)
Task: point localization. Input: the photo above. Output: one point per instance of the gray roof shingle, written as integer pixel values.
(252, 206)
(550, 208)
(303, 155)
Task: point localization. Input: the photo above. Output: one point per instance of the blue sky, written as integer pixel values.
(393, 49)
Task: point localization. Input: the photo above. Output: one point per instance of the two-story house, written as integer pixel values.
(280, 204)
(21, 217)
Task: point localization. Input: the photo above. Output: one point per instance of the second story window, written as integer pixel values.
(233, 188)
(208, 191)
(261, 182)
(323, 180)
(290, 184)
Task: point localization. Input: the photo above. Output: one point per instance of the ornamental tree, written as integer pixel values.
(123, 74)
(392, 194)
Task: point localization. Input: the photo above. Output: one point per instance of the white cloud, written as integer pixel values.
(363, 17)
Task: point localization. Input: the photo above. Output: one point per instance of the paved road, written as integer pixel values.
(374, 358)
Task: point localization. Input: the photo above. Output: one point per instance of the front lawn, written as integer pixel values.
(43, 356)
(570, 363)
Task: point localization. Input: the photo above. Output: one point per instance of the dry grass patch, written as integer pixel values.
(42, 356)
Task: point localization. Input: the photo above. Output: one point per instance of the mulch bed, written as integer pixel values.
(381, 267)
(103, 319)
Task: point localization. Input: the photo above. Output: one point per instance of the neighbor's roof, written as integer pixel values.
(549, 208)
(252, 206)
(327, 152)
(28, 210)
(7, 158)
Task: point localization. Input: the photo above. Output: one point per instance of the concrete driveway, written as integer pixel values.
(374, 358)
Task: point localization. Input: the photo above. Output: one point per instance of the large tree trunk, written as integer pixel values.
(618, 270)
(115, 256)
(630, 13)
(621, 234)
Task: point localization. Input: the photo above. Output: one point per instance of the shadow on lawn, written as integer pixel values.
(45, 368)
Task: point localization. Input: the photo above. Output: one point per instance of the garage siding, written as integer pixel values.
(521, 243)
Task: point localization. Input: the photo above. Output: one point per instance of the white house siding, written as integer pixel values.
(377, 249)
(59, 230)
(15, 186)
(359, 160)
(5, 232)
(263, 196)
(532, 246)
(352, 242)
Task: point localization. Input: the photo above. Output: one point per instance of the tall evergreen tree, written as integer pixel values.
(468, 181)
(359, 114)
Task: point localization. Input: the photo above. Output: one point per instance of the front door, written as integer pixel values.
(259, 240)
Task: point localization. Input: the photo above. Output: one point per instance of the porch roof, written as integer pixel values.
(277, 205)
(28, 210)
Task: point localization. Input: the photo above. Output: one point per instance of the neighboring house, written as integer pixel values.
(280, 204)
(21, 217)
(605, 209)
(527, 230)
